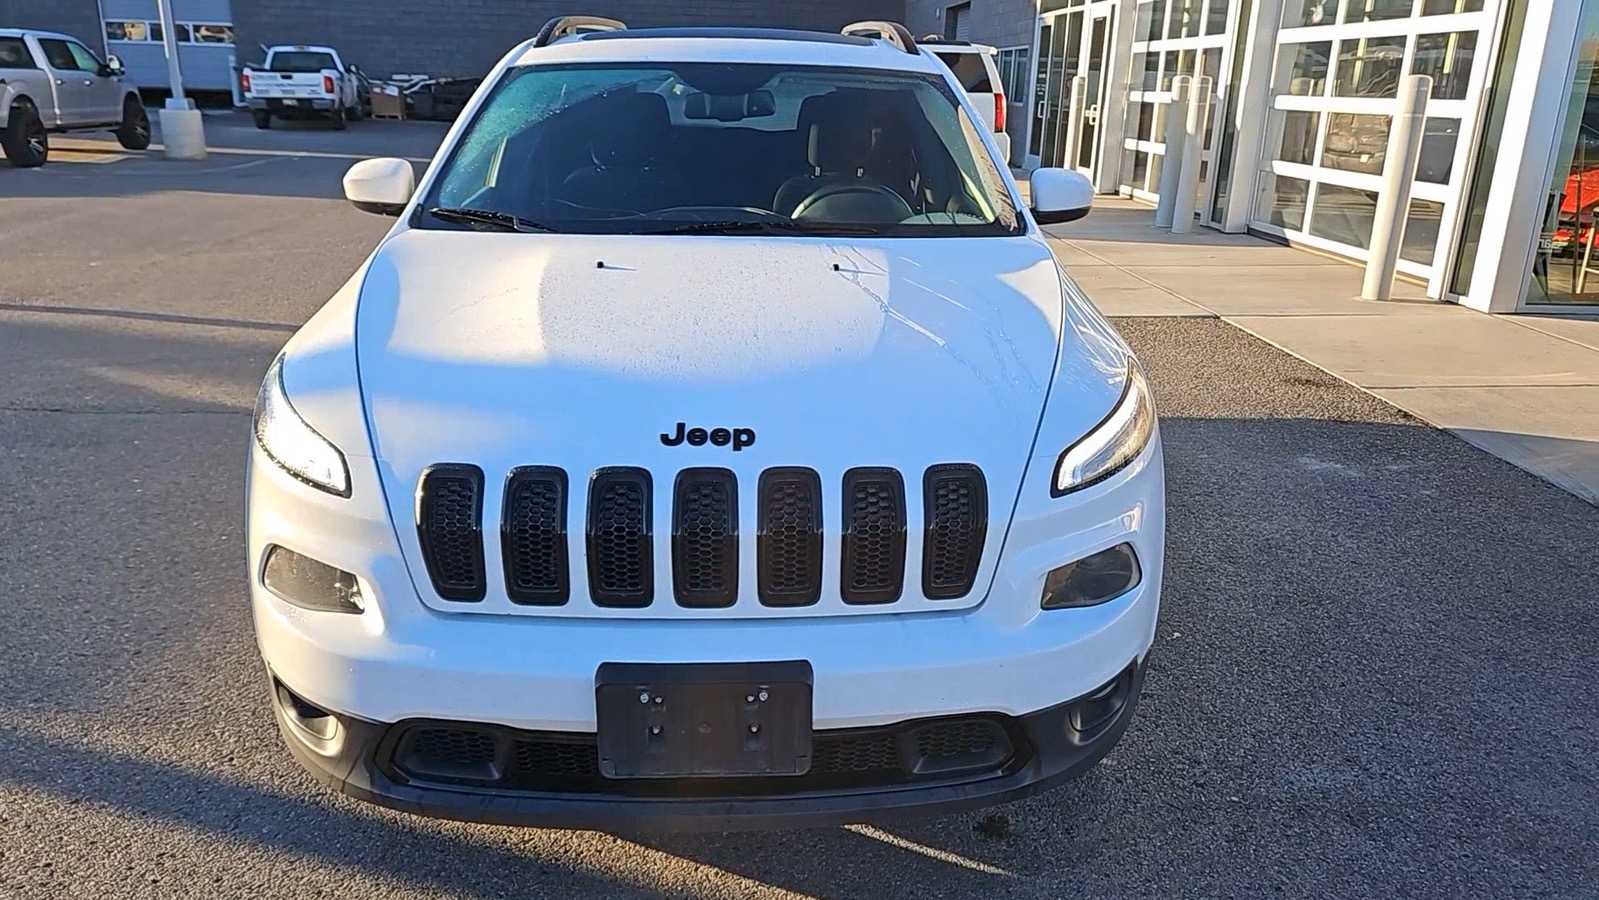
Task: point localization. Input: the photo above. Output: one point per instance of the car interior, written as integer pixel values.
(854, 155)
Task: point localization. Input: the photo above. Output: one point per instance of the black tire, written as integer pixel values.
(134, 133)
(263, 119)
(356, 113)
(25, 141)
(340, 119)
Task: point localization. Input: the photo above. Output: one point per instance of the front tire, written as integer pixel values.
(25, 141)
(134, 133)
(341, 121)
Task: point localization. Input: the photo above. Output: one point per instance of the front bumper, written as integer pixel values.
(1049, 747)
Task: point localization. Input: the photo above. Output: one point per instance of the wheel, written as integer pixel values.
(134, 134)
(340, 120)
(263, 119)
(25, 141)
(356, 113)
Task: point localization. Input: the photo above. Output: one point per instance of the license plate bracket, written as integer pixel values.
(704, 720)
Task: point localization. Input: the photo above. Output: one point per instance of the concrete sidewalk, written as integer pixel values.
(1524, 388)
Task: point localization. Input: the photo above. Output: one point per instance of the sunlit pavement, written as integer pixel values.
(1373, 676)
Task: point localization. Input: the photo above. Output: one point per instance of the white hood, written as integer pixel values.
(580, 352)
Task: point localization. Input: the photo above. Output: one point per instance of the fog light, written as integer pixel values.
(1092, 580)
(309, 584)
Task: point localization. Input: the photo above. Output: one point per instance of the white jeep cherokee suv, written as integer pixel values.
(714, 442)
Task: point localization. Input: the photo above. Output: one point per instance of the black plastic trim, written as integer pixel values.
(1051, 750)
(644, 594)
(767, 544)
(726, 544)
(462, 593)
(851, 558)
(561, 593)
(935, 476)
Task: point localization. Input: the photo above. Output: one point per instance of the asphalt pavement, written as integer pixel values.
(1373, 675)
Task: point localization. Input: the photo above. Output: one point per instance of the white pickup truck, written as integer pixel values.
(50, 83)
(303, 82)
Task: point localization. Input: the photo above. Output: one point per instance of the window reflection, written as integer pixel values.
(1309, 12)
(1355, 143)
(1369, 67)
(1302, 68)
(1447, 58)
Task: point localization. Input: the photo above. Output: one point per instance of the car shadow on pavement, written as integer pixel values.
(328, 830)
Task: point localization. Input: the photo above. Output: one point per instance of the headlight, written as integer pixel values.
(1113, 443)
(292, 443)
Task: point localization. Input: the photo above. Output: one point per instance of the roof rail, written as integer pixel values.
(893, 32)
(565, 26)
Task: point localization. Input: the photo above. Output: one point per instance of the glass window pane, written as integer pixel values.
(1281, 201)
(1369, 67)
(1153, 22)
(1421, 231)
(1566, 267)
(1302, 68)
(1376, 10)
(1309, 12)
(1298, 136)
(1140, 169)
(1152, 71)
(1486, 149)
(1447, 58)
(1355, 143)
(1216, 17)
(1344, 214)
(1156, 161)
(1183, 20)
(1146, 121)
(1445, 7)
(1438, 145)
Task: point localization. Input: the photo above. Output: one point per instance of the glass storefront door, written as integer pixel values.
(1072, 42)
(1565, 267)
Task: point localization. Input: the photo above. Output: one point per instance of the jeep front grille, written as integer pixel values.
(449, 515)
(788, 548)
(618, 549)
(533, 536)
(705, 538)
(621, 561)
(957, 522)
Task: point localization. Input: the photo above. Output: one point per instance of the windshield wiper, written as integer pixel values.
(488, 218)
(770, 227)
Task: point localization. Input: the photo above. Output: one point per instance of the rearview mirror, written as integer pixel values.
(381, 186)
(1060, 195)
(730, 107)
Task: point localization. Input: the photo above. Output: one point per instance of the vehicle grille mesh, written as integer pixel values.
(618, 546)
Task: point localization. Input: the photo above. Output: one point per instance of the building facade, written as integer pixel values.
(384, 37)
(1502, 210)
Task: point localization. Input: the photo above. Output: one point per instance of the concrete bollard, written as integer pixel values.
(183, 131)
(1172, 134)
(1405, 134)
(1193, 156)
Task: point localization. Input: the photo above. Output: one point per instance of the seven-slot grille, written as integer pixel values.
(618, 543)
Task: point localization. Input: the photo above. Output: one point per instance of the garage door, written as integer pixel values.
(959, 23)
(205, 41)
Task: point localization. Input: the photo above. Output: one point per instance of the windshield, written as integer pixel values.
(301, 61)
(736, 148)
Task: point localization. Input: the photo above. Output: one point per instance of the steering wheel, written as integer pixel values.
(875, 204)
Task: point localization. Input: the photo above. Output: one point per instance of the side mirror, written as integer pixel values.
(380, 186)
(113, 66)
(1060, 195)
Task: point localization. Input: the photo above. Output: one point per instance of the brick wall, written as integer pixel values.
(79, 18)
(388, 36)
